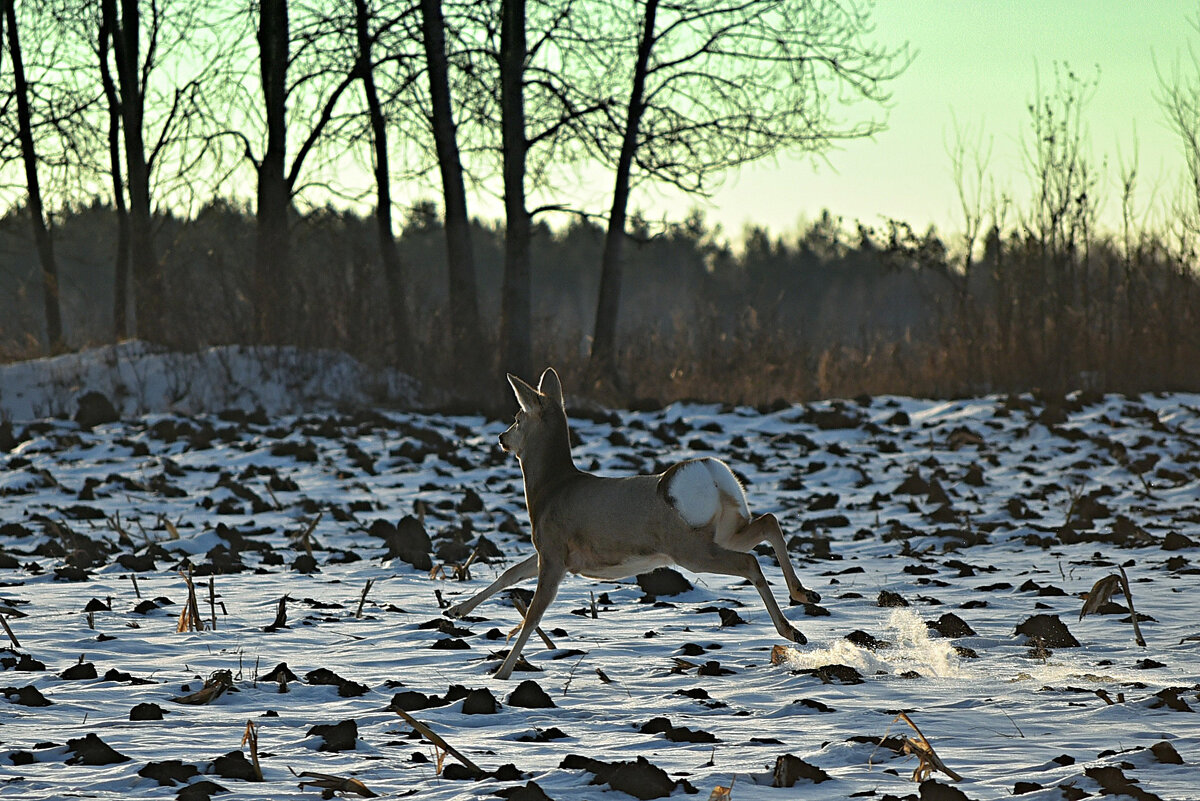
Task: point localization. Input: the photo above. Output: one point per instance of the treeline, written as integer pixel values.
(686, 284)
(830, 311)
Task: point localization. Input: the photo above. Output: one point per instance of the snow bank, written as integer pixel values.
(140, 378)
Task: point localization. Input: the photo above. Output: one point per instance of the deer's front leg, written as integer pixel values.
(518, 572)
(550, 574)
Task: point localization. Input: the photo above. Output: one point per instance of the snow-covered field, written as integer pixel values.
(932, 531)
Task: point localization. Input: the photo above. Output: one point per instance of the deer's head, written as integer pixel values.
(541, 419)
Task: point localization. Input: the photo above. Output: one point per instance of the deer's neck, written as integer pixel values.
(546, 467)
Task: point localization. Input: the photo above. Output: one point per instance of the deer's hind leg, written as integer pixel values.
(766, 528)
(745, 565)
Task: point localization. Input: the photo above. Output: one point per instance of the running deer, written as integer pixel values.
(693, 515)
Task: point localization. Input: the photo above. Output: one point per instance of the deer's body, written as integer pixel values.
(693, 515)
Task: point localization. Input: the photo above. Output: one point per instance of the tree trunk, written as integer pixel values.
(272, 245)
(108, 27)
(604, 338)
(515, 303)
(41, 234)
(394, 270)
(147, 272)
(460, 256)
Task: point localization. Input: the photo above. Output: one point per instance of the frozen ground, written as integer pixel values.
(992, 510)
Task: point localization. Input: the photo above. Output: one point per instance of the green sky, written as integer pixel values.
(977, 63)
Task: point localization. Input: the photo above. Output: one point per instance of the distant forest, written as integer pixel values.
(135, 130)
(830, 312)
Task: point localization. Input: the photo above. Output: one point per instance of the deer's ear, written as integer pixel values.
(550, 386)
(527, 396)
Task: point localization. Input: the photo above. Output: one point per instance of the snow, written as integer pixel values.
(990, 548)
(139, 378)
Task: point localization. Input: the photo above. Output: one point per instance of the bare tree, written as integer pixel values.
(552, 86)
(41, 232)
(1128, 172)
(715, 84)
(1056, 155)
(395, 272)
(970, 155)
(1178, 96)
(544, 87)
(313, 91)
(464, 302)
(126, 30)
(608, 303)
(274, 195)
(151, 63)
(104, 40)
(515, 300)
(1062, 213)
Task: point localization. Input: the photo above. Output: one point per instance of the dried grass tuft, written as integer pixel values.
(438, 743)
(304, 538)
(189, 616)
(334, 784)
(214, 687)
(1102, 592)
(928, 760)
(8, 630)
(251, 738)
(520, 605)
(363, 598)
(720, 793)
(280, 621)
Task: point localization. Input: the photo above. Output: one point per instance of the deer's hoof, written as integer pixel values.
(805, 596)
(796, 636)
(455, 611)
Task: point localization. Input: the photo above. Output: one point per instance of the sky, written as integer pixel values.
(977, 66)
(978, 63)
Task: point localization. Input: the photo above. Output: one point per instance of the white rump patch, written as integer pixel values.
(705, 491)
